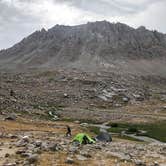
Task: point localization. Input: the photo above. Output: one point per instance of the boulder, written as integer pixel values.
(38, 143)
(80, 157)
(55, 147)
(11, 117)
(20, 151)
(7, 155)
(69, 160)
(32, 158)
(9, 164)
(139, 163)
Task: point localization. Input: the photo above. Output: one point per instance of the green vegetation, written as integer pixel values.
(154, 130)
(114, 124)
(94, 129)
(116, 129)
(132, 130)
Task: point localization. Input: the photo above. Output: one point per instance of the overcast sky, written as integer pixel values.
(19, 18)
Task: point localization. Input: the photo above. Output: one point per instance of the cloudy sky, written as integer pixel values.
(19, 18)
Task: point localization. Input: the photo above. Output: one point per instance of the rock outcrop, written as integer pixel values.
(91, 46)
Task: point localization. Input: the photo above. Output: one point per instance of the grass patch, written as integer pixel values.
(116, 130)
(154, 130)
(114, 124)
(93, 129)
(157, 131)
(132, 130)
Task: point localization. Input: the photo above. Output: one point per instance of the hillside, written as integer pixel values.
(92, 46)
(97, 77)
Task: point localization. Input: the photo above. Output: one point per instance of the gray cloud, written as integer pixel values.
(19, 18)
(15, 24)
(110, 7)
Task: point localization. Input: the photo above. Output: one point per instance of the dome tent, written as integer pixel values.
(83, 138)
(104, 137)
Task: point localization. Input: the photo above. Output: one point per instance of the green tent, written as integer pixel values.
(83, 138)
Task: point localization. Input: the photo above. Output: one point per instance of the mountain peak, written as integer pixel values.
(93, 45)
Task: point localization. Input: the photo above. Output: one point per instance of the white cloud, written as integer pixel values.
(19, 18)
(153, 17)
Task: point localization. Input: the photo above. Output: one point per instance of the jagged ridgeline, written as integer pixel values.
(91, 46)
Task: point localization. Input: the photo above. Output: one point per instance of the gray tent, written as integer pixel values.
(104, 137)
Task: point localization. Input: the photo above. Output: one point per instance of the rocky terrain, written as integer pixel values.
(71, 98)
(94, 46)
(43, 143)
(93, 77)
(58, 90)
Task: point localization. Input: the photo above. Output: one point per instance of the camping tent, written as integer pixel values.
(83, 138)
(104, 136)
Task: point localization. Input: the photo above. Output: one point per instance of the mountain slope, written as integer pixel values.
(92, 46)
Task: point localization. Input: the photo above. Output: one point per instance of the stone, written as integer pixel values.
(26, 163)
(118, 105)
(20, 151)
(156, 163)
(55, 147)
(77, 121)
(69, 160)
(84, 124)
(32, 158)
(38, 143)
(73, 149)
(21, 143)
(26, 138)
(85, 154)
(37, 150)
(10, 164)
(125, 99)
(13, 136)
(7, 155)
(80, 157)
(11, 117)
(97, 147)
(164, 107)
(26, 154)
(138, 97)
(139, 163)
(65, 95)
(44, 146)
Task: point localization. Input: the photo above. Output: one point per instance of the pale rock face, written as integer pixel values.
(90, 46)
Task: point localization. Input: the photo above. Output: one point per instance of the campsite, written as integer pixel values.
(34, 125)
(44, 143)
(82, 83)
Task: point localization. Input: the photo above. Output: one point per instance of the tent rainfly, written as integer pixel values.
(83, 138)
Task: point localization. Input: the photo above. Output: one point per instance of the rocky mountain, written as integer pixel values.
(92, 46)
